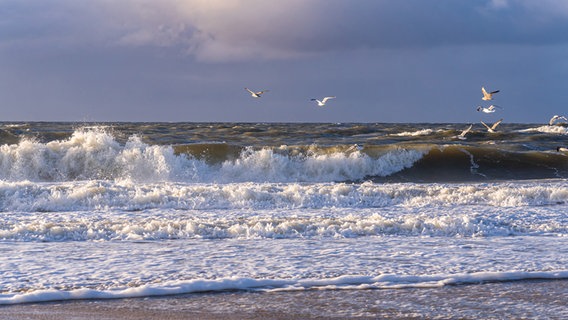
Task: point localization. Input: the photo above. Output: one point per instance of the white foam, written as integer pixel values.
(130, 195)
(385, 281)
(126, 210)
(547, 129)
(423, 132)
(94, 154)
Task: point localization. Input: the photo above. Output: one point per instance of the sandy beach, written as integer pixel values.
(501, 300)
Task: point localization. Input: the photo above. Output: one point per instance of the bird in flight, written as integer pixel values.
(322, 102)
(461, 136)
(556, 118)
(487, 95)
(489, 109)
(492, 128)
(256, 94)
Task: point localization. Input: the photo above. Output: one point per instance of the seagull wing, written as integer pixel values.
(556, 117)
(486, 126)
(466, 131)
(496, 124)
(249, 90)
(485, 94)
(327, 98)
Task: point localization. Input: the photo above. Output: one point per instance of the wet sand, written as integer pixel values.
(503, 300)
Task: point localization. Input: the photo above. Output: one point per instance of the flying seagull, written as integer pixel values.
(461, 136)
(322, 102)
(488, 95)
(489, 109)
(492, 128)
(555, 118)
(256, 94)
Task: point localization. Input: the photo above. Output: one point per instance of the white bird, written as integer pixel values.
(322, 102)
(489, 109)
(461, 136)
(488, 95)
(561, 149)
(492, 128)
(556, 118)
(256, 94)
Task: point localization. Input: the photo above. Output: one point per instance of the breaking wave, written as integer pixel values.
(547, 129)
(95, 155)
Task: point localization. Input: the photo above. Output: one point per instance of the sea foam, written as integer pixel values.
(95, 155)
(347, 282)
(103, 210)
(548, 129)
(130, 195)
(423, 132)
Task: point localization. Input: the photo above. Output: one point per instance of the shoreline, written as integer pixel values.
(497, 300)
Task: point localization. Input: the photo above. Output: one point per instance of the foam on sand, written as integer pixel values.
(385, 281)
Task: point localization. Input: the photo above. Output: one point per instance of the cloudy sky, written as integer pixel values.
(189, 60)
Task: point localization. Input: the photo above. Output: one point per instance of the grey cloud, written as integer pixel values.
(239, 30)
(262, 29)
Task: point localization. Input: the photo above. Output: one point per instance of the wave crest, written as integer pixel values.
(547, 129)
(96, 155)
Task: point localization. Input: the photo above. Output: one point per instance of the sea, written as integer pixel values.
(127, 210)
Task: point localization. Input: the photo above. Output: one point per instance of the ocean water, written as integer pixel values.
(120, 210)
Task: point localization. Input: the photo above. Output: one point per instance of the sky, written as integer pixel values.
(190, 60)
